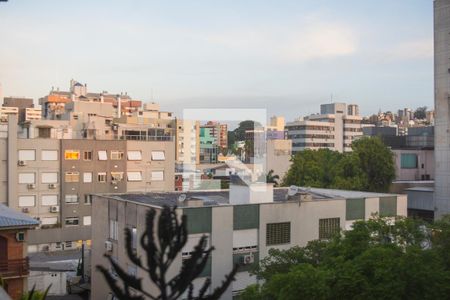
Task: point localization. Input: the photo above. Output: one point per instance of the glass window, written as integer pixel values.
(87, 177)
(27, 201)
(49, 221)
(134, 176)
(116, 155)
(49, 200)
(329, 227)
(72, 155)
(49, 177)
(87, 220)
(102, 155)
(278, 233)
(113, 229)
(27, 155)
(87, 155)
(49, 155)
(157, 175)
(408, 161)
(72, 221)
(71, 198)
(158, 155)
(88, 199)
(27, 178)
(134, 155)
(101, 176)
(134, 237)
(72, 177)
(116, 176)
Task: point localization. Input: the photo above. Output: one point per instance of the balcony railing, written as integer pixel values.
(14, 267)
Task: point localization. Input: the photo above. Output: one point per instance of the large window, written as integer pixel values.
(49, 155)
(49, 221)
(27, 201)
(278, 233)
(157, 175)
(101, 176)
(102, 155)
(116, 155)
(71, 198)
(27, 155)
(116, 176)
(87, 155)
(49, 200)
(87, 220)
(134, 155)
(49, 177)
(72, 221)
(134, 176)
(72, 177)
(158, 155)
(329, 227)
(408, 161)
(27, 178)
(87, 177)
(72, 155)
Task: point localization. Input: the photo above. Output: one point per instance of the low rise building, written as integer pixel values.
(243, 224)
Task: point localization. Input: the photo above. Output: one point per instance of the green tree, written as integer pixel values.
(161, 246)
(421, 113)
(376, 161)
(239, 132)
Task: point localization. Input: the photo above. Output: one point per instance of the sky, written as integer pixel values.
(284, 56)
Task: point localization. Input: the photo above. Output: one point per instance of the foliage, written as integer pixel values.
(377, 259)
(35, 295)
(239, 132)
(421, 113)
(161, 246)
(369, 167)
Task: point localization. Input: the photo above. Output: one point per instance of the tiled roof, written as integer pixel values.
(11, 218)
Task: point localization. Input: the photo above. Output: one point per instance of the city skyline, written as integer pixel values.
(270, 55)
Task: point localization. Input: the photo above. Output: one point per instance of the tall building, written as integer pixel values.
(213, 140)
(334, 128)
(187, 143)
(442, 105)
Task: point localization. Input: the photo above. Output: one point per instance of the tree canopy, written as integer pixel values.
(377, 259)
(369, 167)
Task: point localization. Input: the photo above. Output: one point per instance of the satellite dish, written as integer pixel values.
(182, 197)
(293, 189)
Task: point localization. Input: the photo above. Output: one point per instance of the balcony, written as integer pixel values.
(14, 268)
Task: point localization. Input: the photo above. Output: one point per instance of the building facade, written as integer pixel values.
(337, 125)
(242, 226)
(442, 105)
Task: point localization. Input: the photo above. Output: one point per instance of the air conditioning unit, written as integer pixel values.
(25, 210)
(52, 186)
(20, 236)
(22, 163)
(108, 246)
(31, 186)
(54, 209)
(248, 259)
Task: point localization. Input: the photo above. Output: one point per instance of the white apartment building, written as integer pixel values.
(337, 125)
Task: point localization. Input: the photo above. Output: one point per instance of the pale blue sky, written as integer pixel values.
(286, 56)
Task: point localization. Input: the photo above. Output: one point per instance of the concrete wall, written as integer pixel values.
(425, 165)
(279, 153)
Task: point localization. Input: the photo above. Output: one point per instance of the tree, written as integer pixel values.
(239, 132)
(421, 113)
(376, 161)
(377, 259)
(162, 246)
(272, 178)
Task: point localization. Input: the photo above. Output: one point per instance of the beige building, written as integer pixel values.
(279, 154)
(337, 125)
(187, 142)
(242, 225)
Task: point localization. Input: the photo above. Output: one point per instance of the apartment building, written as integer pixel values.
(51, 180)
(187, 143)
(242, 224)
(213, 139)
(337, 125)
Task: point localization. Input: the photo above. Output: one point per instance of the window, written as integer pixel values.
(71, 199)
(116, 176)
(102, 155)
(329, 227)
(101, 176)
(113, 229)
(88, 199)
(87, 220)
(27, 201)
(49, 155)
(72, 177)
(27, 155)
(27, 178)
(49, 177)
(116, 155)
(388, 206)
(87, 177)
(49, 221)
(49, 200)
(278, 233)
(158, 155)
(134, 237)
(44, 132)
(157, 175)
(408, 161)
(355, 209)
(134, 155)
(72, 221)
(87, 155)
(71, 155)
(134, 176)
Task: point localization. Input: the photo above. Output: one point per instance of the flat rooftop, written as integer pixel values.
(221, 197)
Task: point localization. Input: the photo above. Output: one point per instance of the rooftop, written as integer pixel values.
(12, 218)
(221, 197)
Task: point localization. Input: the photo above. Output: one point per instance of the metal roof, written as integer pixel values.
(12, 218)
